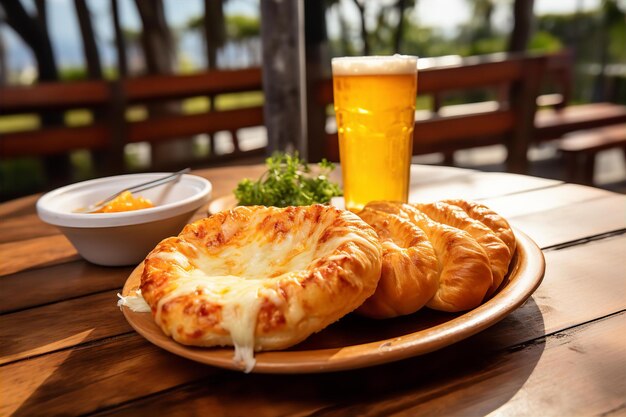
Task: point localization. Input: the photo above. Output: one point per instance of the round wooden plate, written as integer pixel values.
(356, 342)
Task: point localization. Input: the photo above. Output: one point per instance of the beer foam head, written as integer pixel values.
(369, 65)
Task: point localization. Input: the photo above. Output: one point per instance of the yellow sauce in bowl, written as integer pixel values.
(126, 202)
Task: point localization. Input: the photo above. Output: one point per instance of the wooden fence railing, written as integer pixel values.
(110, 130)
(513, 81)
(505, 115)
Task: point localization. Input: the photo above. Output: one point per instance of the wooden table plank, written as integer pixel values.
(578, 300)
(477, 185)
(25, 227)
(88, 361)
(58, 282)
(582, 281)
(19, 207)
(544, 199)
(78, 381)
(36, 331)
(38, 252)
(581, 373)
(573, 222)
(528, 380)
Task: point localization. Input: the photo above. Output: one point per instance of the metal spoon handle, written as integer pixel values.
(137, 188)
(157, 182)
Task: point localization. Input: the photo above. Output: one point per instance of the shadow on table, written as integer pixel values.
(473, 377)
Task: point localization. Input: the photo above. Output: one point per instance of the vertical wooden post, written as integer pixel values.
(523, 99)
(282, 35)
(120, 42)
(116, 111)
(317, 69)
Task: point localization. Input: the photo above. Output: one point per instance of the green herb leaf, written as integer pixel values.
(288, 181)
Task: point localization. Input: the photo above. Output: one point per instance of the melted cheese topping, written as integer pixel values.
(242, 273)
(135, 302)
(240, 300)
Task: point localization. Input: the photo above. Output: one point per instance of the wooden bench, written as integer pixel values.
(580, 150)
(581, 130)
(512, 79)
(559, 117)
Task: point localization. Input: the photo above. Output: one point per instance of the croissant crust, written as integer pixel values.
(447, 255)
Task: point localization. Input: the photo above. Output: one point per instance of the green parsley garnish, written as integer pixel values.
(288, 181)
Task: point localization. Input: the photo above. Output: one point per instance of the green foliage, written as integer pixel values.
(20, 176)
(288, 181)
(426, 41)
(488, 45)
(240, 27)
(73, 73)
(545, 42)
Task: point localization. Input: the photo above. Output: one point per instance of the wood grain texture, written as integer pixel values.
(574, 221)
(543, 199)
(37, 252)
(25, 227)
(557, 305)
(476, 186)
(58, 282)
(35, 331)
(78, 381)
(468, 379)
(18, 207)
(87, 361)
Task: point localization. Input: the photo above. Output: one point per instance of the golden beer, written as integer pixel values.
(375, 111)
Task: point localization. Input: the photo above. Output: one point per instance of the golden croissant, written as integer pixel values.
(448, 255)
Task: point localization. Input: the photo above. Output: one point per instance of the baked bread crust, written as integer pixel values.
(463, 249)
(407, 252)
(489, 218)
(497, 251)
(260, 277)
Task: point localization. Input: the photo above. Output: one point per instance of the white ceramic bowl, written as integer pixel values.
(123, 238)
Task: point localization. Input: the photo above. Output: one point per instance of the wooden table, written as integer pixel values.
(66, 348)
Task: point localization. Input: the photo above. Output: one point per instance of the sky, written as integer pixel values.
(65, 34)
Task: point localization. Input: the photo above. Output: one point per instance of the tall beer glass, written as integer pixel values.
(375, 111)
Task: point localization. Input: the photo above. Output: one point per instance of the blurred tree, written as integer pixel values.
(401, 7)
(240, 29)
(3, 61)
(120, 44)
(214, 30)
(522, 25)
(90, 49)
(360, 5)
(347, 48)
(388, 34)
(159, 53)
(479, 26)
(32, 30)
(612, 18)
(478, 35)
(156, 38)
